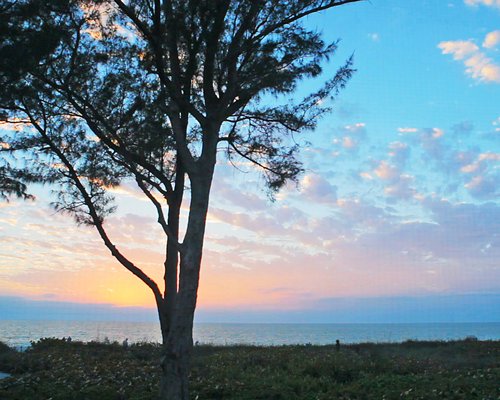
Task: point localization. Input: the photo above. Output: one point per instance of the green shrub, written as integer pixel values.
(414, 370)
(4, 348)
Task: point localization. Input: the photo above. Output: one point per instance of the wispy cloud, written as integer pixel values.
(492, 40)
(318, 189)
(484, 186)
(488, 3)
(399, 152)
(496, 124)
(351, 136)
(407, 130)
(477, 63)
(386, 171)
(401, 189)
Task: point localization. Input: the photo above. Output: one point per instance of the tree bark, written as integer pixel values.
(175, 365)
(177, 330)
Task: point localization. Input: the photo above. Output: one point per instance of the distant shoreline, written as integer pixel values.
(19, 334)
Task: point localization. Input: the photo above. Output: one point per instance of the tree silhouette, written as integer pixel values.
(152, 91)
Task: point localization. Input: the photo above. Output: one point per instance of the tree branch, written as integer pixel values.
(173, 90)
(247, 157)
(93, 212)
(300, 15)
(159, 210)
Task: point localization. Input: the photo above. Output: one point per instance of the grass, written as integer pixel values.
(58, 370)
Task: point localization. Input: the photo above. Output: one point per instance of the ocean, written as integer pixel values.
(19, 334)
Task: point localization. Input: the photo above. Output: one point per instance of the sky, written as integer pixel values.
(395, 219)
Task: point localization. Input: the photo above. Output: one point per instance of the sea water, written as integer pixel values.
(20, 333)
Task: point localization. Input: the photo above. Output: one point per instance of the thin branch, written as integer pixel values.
(166, 193)
(90, 120)
(247, 157)
(93, 212)
(159, 210)
(264, 118)
(213, 38)
(155, 43)
(296, 17)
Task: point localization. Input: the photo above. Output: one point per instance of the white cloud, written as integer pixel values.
(492, 39)
(489, 156)
(374, 36)
(401, 189)
(470, 168)
(478, 65)
(407, 130)
(355, 128)
(386, 171)
(348, 142)
(366, 175)
(475, 182)
(483, 186)
(489, 3)
(437, 133)
(353, 133)
(479, 163)
(397, 146)
(399, 153)
(496, 124)
(459, 48)
(318, 189)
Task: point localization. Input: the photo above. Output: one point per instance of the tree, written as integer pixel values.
(102, 91)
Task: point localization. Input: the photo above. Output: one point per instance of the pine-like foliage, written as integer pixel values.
(112, 89)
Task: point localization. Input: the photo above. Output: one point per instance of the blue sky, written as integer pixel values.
(399, 202)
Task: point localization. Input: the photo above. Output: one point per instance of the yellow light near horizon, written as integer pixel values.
(121, 289)
(107, 284)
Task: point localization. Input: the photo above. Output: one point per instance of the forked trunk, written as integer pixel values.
(177, 319)
(177, 348)
(178, 335)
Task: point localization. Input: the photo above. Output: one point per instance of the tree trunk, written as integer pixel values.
(177, 328)
(177, 348)
(175, 366)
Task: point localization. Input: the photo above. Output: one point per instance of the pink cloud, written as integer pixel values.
(352, 135)
(488, 3)
(318, 189)
(478, 65)
(386, 171)
(492, 39)
(460, 49)
(483, 186)
(348, 142)
(399, 152)
(401, 189)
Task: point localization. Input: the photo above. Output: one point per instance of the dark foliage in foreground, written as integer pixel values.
(57, 370)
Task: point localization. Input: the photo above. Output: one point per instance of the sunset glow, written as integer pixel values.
(399, 198)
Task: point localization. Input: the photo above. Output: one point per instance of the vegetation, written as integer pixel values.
(56, 369)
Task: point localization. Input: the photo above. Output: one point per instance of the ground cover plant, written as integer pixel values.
(56, 369)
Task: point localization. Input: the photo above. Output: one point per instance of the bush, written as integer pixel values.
(413, 370)
(4, 348)
(8, 358)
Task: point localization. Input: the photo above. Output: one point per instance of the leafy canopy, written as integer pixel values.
(93, 92)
